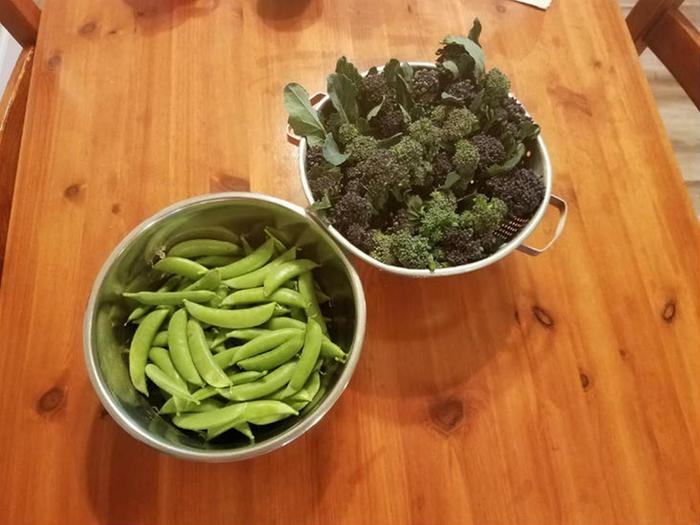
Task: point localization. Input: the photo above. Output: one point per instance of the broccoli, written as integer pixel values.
(496, 87)
(325, 182)
(381, 247)
(460, 247)
(438, 115)
(425, 85)
(465, 158)
(315, 159)
(439, 214)
(521, 190)
(332, 121)
(374, 89)
(491, 151)
(449, 52)
(361, 148)
(409, 154)
(388, 122)
(400, 220)
(459, 124)
(485, 216)
(515, 113)
(441, 166)
(412, 251)
(346, 133)
(351, 208)
(464, 91)
(427, 134)
(358, 235)
(378, 174)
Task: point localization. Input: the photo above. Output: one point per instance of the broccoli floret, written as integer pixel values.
(351, 209)
(496, 87)
(332, 121)
(459, 124)
(374, 89)
(439, 214)
(412, 251)
(400, 220)
(438, 115)
(425, 85)
(441, 166)
(346, 133)
(464, 91)
(388, 122)
(361, 148)
(381, 247)
(491, 151)
(427, 134)
(359, 236)
(522, 191)
(490, 243)
(378, 174)
(460, 247)
(465, 158)
(448, 52)
(324, 183)
(485, 216)
(315, 159)
(409, 154)
(515, 113)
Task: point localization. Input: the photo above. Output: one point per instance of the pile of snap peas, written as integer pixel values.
(233, 337)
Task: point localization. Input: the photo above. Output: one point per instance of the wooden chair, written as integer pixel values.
(660, 25)
(21, 19)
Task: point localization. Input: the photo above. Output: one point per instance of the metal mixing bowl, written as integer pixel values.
(513, 233)
(128, 267)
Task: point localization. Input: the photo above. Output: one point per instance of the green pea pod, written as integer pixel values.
(180, 266)
(284, 272)
(262, 387)
(245, 334)
(161, 358)
(167, 383)
(180, 350)
(274, 358)
(202, 356)
(209, 281)
(161, 339)
(328, 347)
(243, 428)
(215, 261)
(257, 277)
(280, 310)
(170, 406)
(200, 247)
(212, 418)
(140, 311)
(264, 343)
(170, 298)
(309, 355)
(250, 262)
(306, 394)
(283, 296)
(247, 248)
(140, 345)
(298, 405)
(307, 289)
(298, 314)
(266, 411)
(282, 239)
(284, 322)
(242, 318)
(332, 350)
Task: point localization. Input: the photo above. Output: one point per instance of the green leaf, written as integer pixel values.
(343, 67)
(343, 95)
(403, 94)
(363, 126)
(475, 32)
(512, 162)
(406, 114)
(391, 70)
(313, 140)
(323, 204)
(373, 112)
(331, 152)
(528, 130)
(414, 204)
(473, 49)
(465, 64)
(451, 179)
(450, 66)
(302, 117)
(450, 98)
(475, 106)
(390, 141)
(406, 71)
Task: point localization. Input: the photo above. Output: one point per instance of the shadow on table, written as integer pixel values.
(288, 15)
(154, 16)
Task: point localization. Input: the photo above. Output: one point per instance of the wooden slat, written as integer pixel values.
(643, 17)
(676, 42)
(21, 19)
(12, 112)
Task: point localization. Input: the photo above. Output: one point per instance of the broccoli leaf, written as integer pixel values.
(406, 114)
(451, 179)
(363, 126)
(473, 49)
(390, 141)
(343, 67)
(331, 152)
(313, 140)
(528, 130)
(302, 117)
(321, 205)
(475, 106)
(406, 71)
(450, 99)
(450, 66)
(403, 94)
(343, 95)
(475, 32)
(508, 165)
(373, 112)
(391, 70)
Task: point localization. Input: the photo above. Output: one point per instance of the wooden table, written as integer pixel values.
(555, 390)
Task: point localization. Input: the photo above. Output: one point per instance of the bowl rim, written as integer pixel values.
(505, 249)
(221, 455)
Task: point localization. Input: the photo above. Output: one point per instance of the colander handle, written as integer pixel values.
(292, 137)
(559, 204)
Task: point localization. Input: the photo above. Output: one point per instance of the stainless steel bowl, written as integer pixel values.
(513, 233)
(105, 336)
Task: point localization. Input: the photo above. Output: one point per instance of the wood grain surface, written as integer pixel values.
(561, 389)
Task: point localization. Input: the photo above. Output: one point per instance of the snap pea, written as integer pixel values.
(264, 343)
(209, 281)
(140, 345)
(306, 394)
(298, 405)
(170, 406)
(243, 428)
(247, 248)
(161, 358)
(265, 411)
(284, 322)
(242, 318)
(214, 261)
(202, 357)
(161, 338)
(180, 350)
(307, 289)
(273, 358)
(211, 418)
(262, 387)
(250, 262)
(297, 314)
(256, 295)
(170, 298)
(180, 266)
(285, 271)
(245, 334)
(167, 383)
(200, 247)
(281, 237)
(280, 310)
(309, 355)
(140, 311)
(328, 347)
(257, 277)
